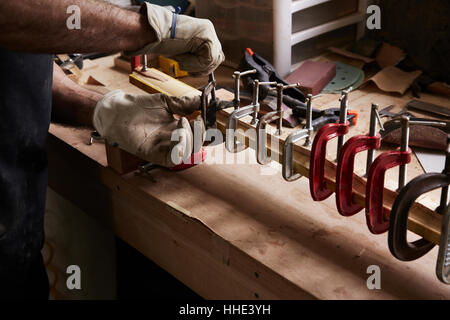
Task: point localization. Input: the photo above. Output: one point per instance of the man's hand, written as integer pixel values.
(191, 41)
(145, 125)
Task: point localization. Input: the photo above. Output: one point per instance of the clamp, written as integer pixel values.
(397, 239)
(317, 186)
(210, 104)
(305, 134)
(231, 144)
(346, 161)
(268, 118)
(237, 86)
(376, 220)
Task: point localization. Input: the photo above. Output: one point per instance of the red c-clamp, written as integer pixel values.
(317, 186)
(375, 217)
(346, 160)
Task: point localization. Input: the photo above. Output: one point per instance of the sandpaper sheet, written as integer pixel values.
(392, 79)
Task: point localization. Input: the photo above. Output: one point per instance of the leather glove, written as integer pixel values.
(193, 42)
(145, 125)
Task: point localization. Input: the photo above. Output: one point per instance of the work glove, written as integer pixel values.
(192, 42)
(145, 125)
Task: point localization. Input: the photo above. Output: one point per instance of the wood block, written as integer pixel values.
(122, 161)
(313, 76)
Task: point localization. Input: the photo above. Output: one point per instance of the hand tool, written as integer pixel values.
(288, 146)
(386, 112)
(426, 107)
(135, 62)
(317, 186)
(346, 160)
(320, 117)
(237, 86)
(171, 67)
(95, 136)
(231, 143)
(210, 104)
(261, 145)
(376, 221)
(397, 239)
(266, 72)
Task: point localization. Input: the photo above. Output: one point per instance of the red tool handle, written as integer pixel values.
(195, 159)
(376, 220)
(317, 186)
(135, 62)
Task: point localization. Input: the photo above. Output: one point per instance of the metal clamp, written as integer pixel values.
(376, 220)
(346, 161)
(95, 136)
(288, 146)
(397, 239)
(231, 144)
(277, 115)
(317, 186)
(237, 86)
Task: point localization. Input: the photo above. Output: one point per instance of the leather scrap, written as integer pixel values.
(392, 79)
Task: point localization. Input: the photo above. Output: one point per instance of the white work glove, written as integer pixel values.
(144, 125)
(195, 44)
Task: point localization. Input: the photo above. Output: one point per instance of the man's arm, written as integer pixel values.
(40, 26)
(71, 102)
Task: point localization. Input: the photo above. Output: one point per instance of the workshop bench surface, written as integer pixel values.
(228, 231)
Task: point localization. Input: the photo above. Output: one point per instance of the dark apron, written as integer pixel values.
(25, 108)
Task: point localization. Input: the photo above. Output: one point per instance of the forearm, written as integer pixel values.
(40, 26)
(72, 104)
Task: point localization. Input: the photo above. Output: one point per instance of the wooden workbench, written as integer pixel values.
(232, 231)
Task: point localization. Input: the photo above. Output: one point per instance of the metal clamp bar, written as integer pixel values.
(343, 115)
(308, 125)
